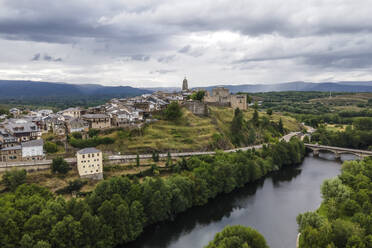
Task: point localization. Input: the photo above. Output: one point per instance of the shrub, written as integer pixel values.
(50, 147)
(237, 237)
(59, 165)
(13, 178)
(173, 111)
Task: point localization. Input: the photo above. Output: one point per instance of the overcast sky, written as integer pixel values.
(146, 43)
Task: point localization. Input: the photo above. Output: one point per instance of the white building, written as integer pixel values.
(33, 150)
(89, 163)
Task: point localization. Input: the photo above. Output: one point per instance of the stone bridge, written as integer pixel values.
(338, 150)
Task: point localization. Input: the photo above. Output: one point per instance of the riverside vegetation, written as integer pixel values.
(238, 237)
(344, 218)
(119, 208)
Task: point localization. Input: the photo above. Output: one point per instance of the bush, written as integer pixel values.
(93, 142)
(93, 132)
(77, 135)
(173, 111)
(13, 178)
(237, 237)
(59, 165)
(72, 186)
(50, 147)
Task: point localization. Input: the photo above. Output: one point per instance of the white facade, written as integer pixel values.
(89, 163)
(32, 151)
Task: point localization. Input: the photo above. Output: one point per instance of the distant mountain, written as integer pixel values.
(165, 89)
(11, 89)
(347, 86)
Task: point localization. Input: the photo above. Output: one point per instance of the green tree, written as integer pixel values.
(59, 165)
(237, 126)
(93, 132)
(280, 126)
(198, 96)
(169, 159)
(138, 160)
(13, 178)
(238, 237)
(42, 244)
(173, 111)
(255, 118)
(364, 124)
(50, 147)
(251, 136)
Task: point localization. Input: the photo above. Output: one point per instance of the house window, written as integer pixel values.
(83, 156)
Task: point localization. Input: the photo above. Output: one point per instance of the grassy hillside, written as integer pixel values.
(190, 133)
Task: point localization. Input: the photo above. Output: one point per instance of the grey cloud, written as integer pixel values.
(340, 61)
(185, 49)
(195, 52)
(162, 71)
(137, 57)
(36, 57)
(45, 57)
(166, 59)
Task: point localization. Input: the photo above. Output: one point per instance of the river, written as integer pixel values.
(269, 205)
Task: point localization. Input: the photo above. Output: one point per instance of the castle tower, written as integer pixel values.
(185, 87)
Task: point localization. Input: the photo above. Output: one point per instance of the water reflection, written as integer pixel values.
(270, 205)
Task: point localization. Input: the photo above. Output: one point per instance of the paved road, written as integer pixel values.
(142, 156)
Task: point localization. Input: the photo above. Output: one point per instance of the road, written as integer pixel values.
(142, 156)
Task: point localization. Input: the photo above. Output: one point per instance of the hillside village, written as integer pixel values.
(21, 132)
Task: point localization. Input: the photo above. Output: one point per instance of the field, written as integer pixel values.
(336, 127)
(345, 102)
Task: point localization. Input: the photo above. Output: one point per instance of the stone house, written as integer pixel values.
(15, 112)
(22, 129)
(72, 112)
(59, 128)
(97, 121)
(90, 163)
(77, 125)
(11, 154)
(7, 140)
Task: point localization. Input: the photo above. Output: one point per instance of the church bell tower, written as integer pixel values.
(185, 87)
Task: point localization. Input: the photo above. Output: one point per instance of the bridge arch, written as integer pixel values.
(337, 151)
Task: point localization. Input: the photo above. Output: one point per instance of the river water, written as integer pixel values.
(269, 205)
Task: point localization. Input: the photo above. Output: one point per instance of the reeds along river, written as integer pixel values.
(269, 205)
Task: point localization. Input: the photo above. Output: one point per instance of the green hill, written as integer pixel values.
(194, 133)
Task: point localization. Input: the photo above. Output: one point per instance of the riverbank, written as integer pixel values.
(269, 205)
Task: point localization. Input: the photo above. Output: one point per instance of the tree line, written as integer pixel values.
(358, 137)
(119, 208)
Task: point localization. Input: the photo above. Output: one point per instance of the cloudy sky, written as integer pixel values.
(146, 43)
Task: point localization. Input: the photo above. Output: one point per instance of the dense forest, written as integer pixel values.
(344, 218)
(119, 208)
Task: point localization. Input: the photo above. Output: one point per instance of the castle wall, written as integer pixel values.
(238, 101)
